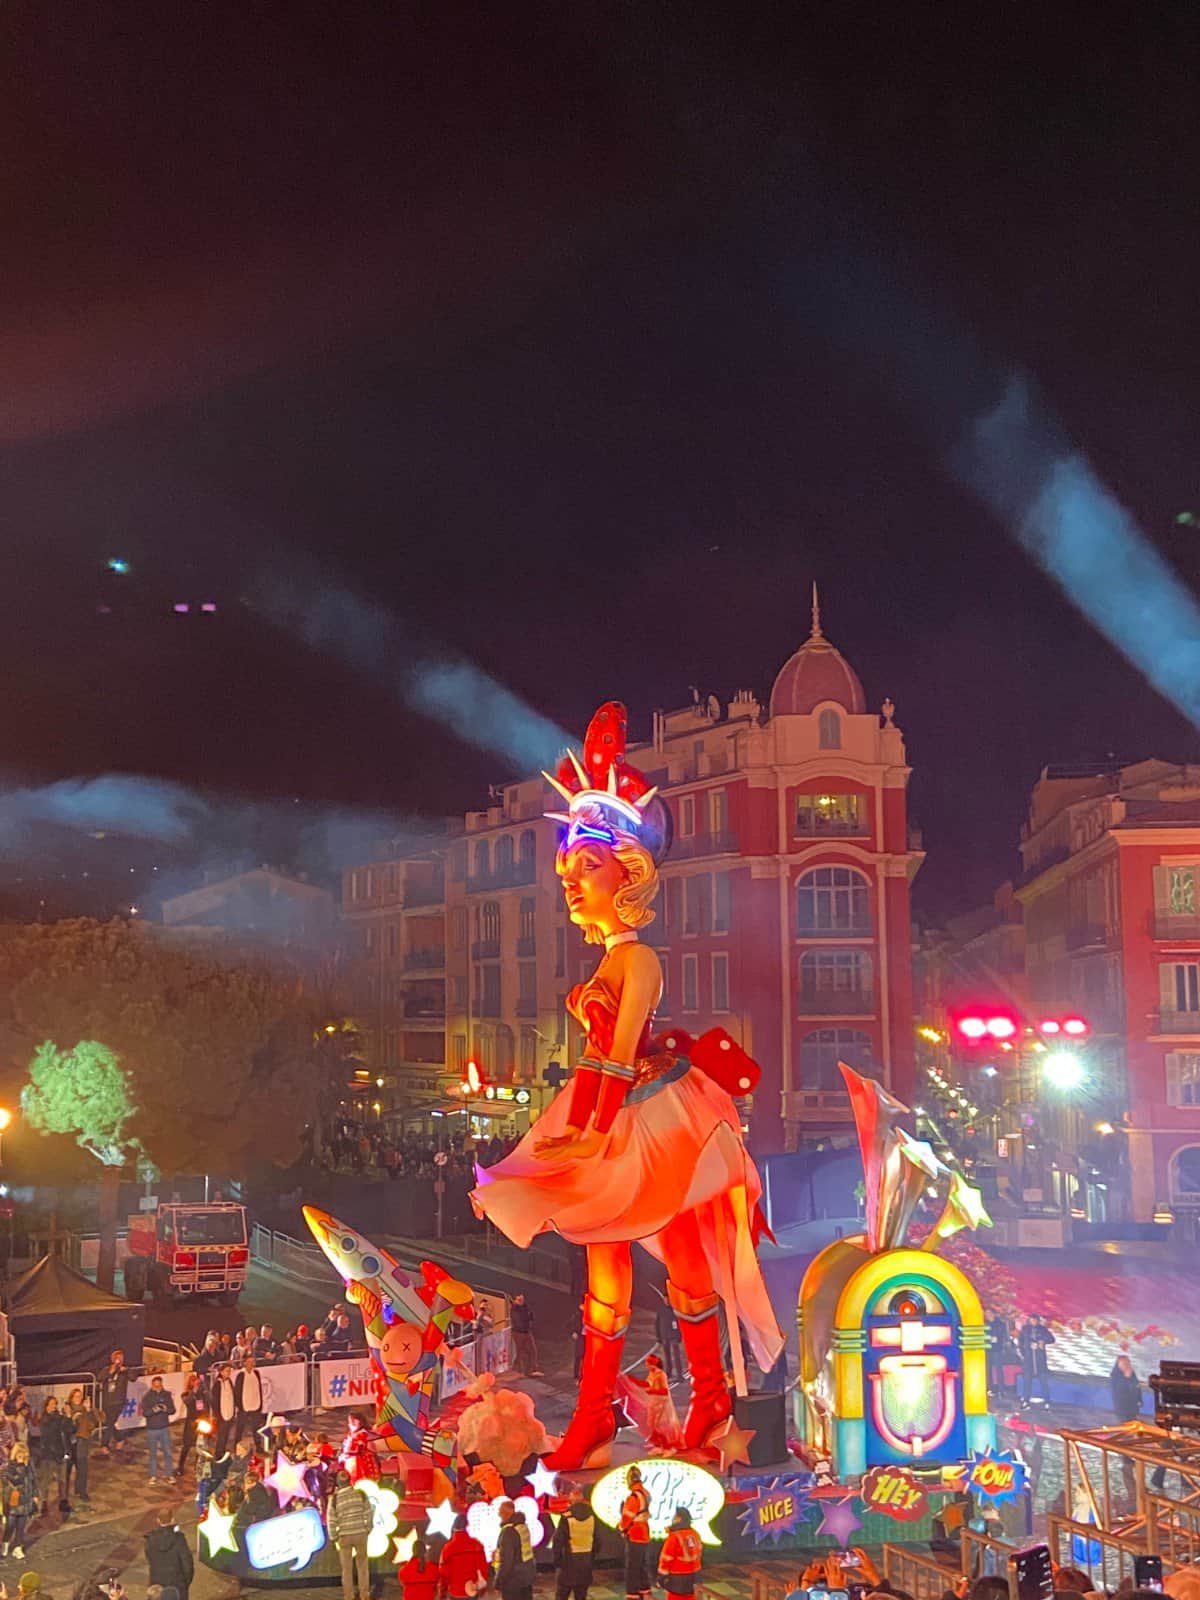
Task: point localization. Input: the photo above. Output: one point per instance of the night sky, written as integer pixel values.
(550, 332)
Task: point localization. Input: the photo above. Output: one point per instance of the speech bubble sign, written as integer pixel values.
(670, 1484)
(292, 1539)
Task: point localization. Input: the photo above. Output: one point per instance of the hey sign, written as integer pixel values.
(777, 1508)
(895, 1493)
(292, 1540)
(996, 1474)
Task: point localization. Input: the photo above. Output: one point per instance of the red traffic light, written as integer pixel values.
(972, 1027)
(1001, 1027)
(1049, 1025)
(1075, 1026)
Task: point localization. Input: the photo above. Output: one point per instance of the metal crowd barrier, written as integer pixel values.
(919, 1575)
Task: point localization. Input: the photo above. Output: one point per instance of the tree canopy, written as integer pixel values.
(216, 1050)
(84, 1093)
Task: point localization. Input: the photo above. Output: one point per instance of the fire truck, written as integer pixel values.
(182, 1250)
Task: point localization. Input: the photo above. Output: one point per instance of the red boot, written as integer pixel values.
(700, 1329)
(593, 1427)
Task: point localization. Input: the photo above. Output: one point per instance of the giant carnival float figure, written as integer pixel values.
(645, 1143)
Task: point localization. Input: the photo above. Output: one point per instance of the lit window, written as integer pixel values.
(687, 816)
(818, 814)
(490, 922)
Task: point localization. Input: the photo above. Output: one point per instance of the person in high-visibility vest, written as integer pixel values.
(682, 1555)
(635, 1527)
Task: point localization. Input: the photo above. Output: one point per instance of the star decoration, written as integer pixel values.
(920, 1153)
(217, 1528)
(964, 1208)
(733, 1443)
(839, 1521)
(287, 1480)
(542, 1481)
(441, 1519)
(384, 1505)
(403, 1545)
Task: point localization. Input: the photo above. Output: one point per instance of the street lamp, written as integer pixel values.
(5, 1123)
(1063, 1069)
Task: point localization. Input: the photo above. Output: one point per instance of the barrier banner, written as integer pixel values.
(455, 1378)
(493, 1353)
(132, 1417)
(285, 1387)
(347, 1381)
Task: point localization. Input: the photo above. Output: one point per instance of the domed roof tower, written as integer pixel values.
(817, 672)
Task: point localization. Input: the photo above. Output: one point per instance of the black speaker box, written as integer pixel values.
(767, 1415)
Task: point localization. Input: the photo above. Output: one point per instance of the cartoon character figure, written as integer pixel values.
(645, 1144)
(405, 1322)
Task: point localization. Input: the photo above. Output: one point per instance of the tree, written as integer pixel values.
(215, 1048)
(84, 1093)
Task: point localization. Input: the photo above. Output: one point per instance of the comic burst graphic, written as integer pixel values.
(778, 1508)
(996, 1475)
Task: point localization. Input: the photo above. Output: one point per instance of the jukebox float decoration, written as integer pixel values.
(893, 1346)
(644, 1145)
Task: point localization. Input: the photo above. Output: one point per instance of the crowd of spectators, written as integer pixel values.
(354, 1147)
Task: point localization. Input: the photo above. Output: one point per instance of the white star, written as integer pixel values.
(217, 1528)
(287, 1480)
(542, 1481)
(404, 1547)
(441, 1519)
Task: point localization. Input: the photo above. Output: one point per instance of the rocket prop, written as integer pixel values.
(405, 1320)
(893, 1345)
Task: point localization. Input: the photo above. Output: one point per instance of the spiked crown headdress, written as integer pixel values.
(604, 794)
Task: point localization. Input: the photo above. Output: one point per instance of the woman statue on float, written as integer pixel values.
(645, 1143)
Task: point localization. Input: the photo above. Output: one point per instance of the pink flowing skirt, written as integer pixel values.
(677, 1149)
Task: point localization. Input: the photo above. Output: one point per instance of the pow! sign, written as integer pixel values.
(996, 1475)
(895, 1493)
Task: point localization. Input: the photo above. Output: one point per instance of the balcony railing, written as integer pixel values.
(815, 826)
(428, 956)
(435, 1010)
(855, 930)
(527, 945)
(723, 843)
(425, 894)
(485, 950)
(1182, 1023)
(519, 872)
(1169, 926)
(1086, 936)
(838, 1003)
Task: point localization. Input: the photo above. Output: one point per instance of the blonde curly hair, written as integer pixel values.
(633, 899)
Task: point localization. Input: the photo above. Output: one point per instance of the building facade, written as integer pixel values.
(783, 915)
(260, 906)
(1111, 898)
